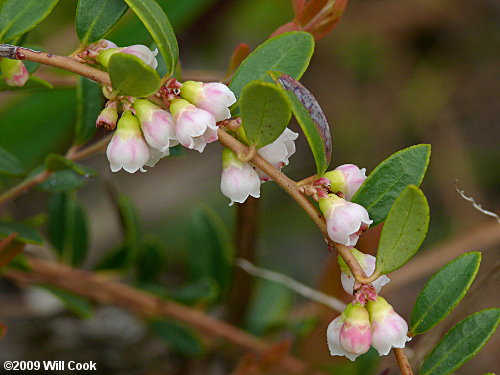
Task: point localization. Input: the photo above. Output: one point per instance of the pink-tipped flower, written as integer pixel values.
(213, 97)
(350, 334)
(345, 221)
(367, 262)
(14, 72)
(157, 126)
(278, 152)
(346, 179)
(138, 50)
(239, 179)
(127, 149)
(389, 330)
(108, 117)
(194, 126)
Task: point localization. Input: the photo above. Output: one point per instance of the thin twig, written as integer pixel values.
(403, 363)
(477, 206)
(103, 290)
(305, 291)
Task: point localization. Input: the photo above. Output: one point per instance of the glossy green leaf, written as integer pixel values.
(132, 76)
(20, 16)
(202, 291)
(211, 250)
(78, 305)
(180, 338)
(461, 343)
(311, 119)
(404, 230)
(150, 260)
(90, 102)
(158, 25)
(265, 112)
(63, 181)
(68, 228)
(56, 162)
(9, 164)
(443, 292)
(25, 234)
(32, 84)
(390, 178)
(288, 53)
(94, 18)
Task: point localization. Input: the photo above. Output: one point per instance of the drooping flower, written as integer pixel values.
(345, 220)
(194, 126)
(138, 50)
(157, 125)
(108, 117)
(389, 330)
(213, 97)
(346, 179)
(278, 152)
(350, 334)
(239, 179)
(367, 262)
(14, 72)
(127, 149)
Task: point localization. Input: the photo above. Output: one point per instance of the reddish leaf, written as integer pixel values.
(9, 249)
(240, 53)
(287, 27)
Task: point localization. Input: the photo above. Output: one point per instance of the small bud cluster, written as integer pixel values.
(145, 131)
(14, 72)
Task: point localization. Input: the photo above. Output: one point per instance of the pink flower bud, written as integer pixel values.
(194, 126)
(367, 262)
(346, 179)
(127, 148)
(14, 72)
(389, 330)
(213, 97)
(157, 125)
(108, 116)
(350, 333)
(278, 152)
(144, 53)
(345, 220)
(239, 179)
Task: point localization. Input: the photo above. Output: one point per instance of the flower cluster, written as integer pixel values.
(13, 72)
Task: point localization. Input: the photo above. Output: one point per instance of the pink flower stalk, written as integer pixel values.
(350, 334)
(213, 97)
(346, 179)
(389, 330)
(108, 117)
(367, 262)
(14, 72)
(278, 152)
(345, 221)
(239, 179)
(157, 126)
(127, 148)
(194, 126)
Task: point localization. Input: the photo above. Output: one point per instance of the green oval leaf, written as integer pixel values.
(390, 178)
(32, 84)
(62, 181)
(78, 305)
(68, 228)
(90, 102)
(158, 25)
(9, 164)
(20, 16)
(132, 76)
(288, 53)
(265, 112)
(461, 343)
(182, 339)
(443, 292)
(25, 234)
(311, 119)
(94, 18)
(403, 231)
